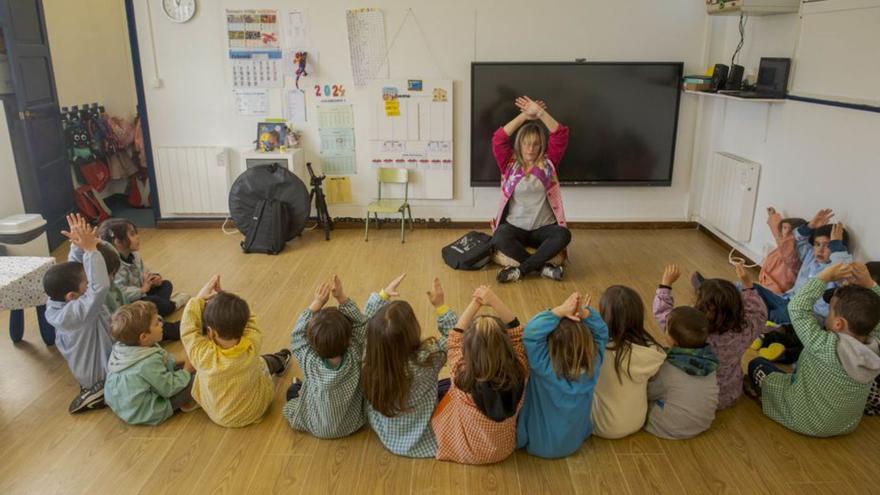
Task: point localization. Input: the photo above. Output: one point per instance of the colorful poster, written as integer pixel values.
(254, 48)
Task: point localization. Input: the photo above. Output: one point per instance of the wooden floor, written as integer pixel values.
(46, 450)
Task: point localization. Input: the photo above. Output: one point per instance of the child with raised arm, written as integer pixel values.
(78, 311)
(781, 265)
(233, 382)
(328, 344)
(565, 347)
(399, 375)
(826, 394)
(475, 422)
(736, 318)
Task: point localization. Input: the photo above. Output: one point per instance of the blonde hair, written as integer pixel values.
(572, 350)
(130, 321)
(530, 131)
(488, 356)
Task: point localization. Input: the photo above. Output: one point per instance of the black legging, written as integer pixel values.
(549, 240)
(161, 297)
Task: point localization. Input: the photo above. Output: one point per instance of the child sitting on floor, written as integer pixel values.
(133, 279)
(736, 318)
(826, 394)
(684, 394)
(565, 347)
(475, 422)
(77, 309)
(819, 244)
(233, 382)
(781, 265)
(399, 375)
(632, 357)
(328, 344)
(143, 385)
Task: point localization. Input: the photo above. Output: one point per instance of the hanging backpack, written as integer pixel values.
(139, 190)
(95, 174)
(470, 252)
(268, 232)
(90, 205)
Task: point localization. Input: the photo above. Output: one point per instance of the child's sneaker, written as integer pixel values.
(88, 398)
(552, 272)
(509, 274)
(180, 299)
(750, 391)
(293, 390)
(284, 355)
(772, 352)
(757, 344)
(190, 406)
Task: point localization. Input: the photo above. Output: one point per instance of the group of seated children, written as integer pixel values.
(571, 371)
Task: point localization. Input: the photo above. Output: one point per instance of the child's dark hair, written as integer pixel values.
(688, 326)
(130, 321)
(860, 307)
(825, 231)
(722, 304)
(227, 314)
(63, 278)
(874, 270)
(793, 222)
(393, 343)
(624, 312)
(572, 350)
(488, 357)
(116, 229)
(111, 258)
(329, 333)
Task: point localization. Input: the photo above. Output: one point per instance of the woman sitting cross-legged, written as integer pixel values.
(530, 213)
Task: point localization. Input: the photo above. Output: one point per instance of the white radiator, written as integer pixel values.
(728, 202)
(193, 181)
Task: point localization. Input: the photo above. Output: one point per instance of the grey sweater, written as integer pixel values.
(82, 326)
(681, 405)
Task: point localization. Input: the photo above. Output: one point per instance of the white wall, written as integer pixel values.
(812, 156)
(10, 199)
(195, 105)
(91, 54)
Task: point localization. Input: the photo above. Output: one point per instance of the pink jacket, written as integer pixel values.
(780, 269)
(511, 174)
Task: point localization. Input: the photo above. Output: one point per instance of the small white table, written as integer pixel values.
(21, 287)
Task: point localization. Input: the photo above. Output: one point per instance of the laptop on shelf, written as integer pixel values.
(772, 80)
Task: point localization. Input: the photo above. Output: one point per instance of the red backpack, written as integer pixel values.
(90, 205)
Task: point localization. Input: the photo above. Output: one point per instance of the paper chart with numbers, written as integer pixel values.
(366, 44)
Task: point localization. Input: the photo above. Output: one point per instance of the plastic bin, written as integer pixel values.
(24, 235)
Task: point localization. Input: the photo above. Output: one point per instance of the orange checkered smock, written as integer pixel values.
(463, 433)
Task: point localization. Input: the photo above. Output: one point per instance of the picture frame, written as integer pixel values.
(271, 136)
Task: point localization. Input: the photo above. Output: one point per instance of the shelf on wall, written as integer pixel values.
(730, 97)
(752, 7)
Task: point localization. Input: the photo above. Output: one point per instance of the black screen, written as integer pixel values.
(622, 117)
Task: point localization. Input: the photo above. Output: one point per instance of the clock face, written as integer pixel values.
(179, 10)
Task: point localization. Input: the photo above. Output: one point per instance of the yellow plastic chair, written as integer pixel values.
(391, 205)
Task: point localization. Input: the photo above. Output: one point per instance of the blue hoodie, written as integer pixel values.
(555, 416)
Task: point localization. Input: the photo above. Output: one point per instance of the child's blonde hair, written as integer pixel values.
(530, 131)
(488, 356)
(130, 321)
(572, 350)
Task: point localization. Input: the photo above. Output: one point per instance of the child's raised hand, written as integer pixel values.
(670, 275)
(88, 239)
(743, 275)
(822, 218)
(861, 276)
(484, 295)
(337, 290)
(436, 295)
(835, 272)
(585, 302)
(391, 288)
(569, 309)
(837, 231)
(210, 289)
(322, 295)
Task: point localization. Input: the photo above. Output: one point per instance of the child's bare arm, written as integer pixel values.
(487, 297)
(467, 316)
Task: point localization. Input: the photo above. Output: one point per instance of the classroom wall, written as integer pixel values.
(812, 156)
(91, 54)
(194, 106)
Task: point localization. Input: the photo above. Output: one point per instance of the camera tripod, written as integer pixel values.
(322, 216)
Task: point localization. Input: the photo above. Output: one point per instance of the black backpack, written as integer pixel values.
(268, 231)
(471, 252)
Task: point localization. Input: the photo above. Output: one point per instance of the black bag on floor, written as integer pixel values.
(471, 252)
(268, 232)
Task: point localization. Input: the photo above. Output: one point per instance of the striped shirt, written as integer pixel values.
(330, 403)
(409, 433)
